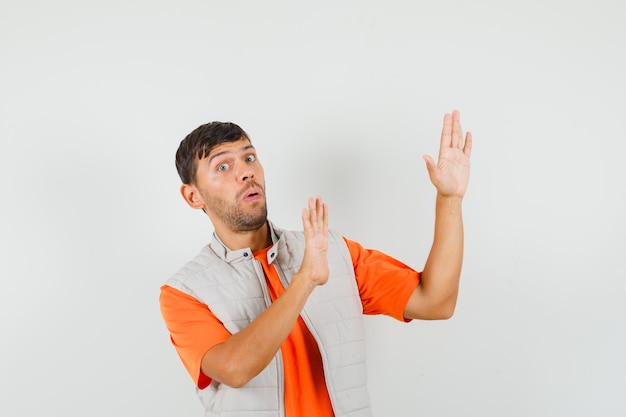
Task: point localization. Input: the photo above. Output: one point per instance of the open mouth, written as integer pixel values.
(252, 193)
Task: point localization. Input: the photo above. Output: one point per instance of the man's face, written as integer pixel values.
(231, 184)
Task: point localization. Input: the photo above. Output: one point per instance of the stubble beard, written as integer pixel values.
(233, 215)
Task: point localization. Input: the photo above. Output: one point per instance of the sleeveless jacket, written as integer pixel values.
(232, 284)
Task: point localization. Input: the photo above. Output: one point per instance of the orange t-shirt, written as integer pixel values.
(385, 285)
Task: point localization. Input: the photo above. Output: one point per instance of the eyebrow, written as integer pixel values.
(241, 150)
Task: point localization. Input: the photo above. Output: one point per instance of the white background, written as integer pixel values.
(341, 99)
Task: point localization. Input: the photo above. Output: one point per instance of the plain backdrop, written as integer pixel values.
(341, 99)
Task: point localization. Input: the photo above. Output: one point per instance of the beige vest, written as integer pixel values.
(232, 284)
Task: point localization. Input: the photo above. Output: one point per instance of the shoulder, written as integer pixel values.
(204, 260)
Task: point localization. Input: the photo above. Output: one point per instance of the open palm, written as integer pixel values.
(451, 173)
(315, 223)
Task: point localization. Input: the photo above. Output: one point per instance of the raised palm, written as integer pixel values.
(315, 223)
(451, 173)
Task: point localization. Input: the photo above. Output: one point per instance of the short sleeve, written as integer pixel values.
(193, 328)
(385, 284)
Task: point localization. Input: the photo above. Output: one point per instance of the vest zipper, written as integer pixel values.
(280, 377)
(320, 346)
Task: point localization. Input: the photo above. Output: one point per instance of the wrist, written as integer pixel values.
(448, 200)
(301, 281)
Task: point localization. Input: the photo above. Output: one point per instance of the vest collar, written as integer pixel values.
(245, 254)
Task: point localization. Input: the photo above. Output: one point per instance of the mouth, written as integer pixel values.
(252, 193)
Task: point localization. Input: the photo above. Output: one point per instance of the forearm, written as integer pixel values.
(442, 271)
(246, 353)
(435, 296)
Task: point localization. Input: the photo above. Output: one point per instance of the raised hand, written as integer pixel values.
(451, 173)
(315, 223)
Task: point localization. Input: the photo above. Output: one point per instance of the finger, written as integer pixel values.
(312, 211)
(322, 216)
(446, 132)
(430, 163)
(467, 149)
(325, 208)
(457, 132)
(315, 212)
(308, 215)
(306, 221)
(319, 210)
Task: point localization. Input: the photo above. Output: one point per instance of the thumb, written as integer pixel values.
(430, 163)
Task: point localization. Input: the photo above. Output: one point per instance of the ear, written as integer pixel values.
(192, 196)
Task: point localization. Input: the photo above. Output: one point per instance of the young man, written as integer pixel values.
(268, 322)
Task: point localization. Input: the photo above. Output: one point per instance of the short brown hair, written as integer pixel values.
(199, 143)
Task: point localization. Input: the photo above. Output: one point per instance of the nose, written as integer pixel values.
(246, 174)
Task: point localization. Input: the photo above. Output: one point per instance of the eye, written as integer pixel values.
(222, 167)
(250, 158)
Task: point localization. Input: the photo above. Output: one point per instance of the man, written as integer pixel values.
(268, 322)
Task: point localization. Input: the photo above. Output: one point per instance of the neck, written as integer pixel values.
(254, 239)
